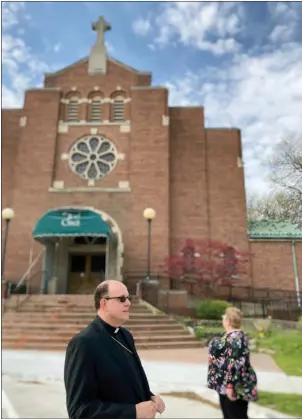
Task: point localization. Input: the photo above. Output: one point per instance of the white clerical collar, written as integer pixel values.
(116, 330)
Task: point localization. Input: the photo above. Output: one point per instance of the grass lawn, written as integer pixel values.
(288, 347)
(290, 404)
(286, 344)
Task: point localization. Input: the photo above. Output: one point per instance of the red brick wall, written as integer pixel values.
(188, 189)
(207, 186)
(149, 175)
(187, 173)
(34, 172)
(226, 193)
(299, 262)
(10, 141)
(40, 163)
(78, 77)
(272, 264)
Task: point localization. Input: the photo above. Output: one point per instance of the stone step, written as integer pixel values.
(54, 346)
(50, 327)
(44, 322)
(74, 308)
(74, 303)
(58, 298)
(87, 317)
(59, 331)
(61, 319)
(40, 338)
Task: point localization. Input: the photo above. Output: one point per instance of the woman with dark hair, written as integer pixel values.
(230, 372)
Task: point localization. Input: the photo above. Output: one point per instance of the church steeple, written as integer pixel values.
(97, 63)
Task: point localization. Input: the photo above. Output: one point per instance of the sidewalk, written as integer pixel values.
(52, 403)
(48, 366)
(260, 361)
(46, 369)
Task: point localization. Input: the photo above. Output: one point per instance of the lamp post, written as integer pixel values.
(149, 215)
(7, 215)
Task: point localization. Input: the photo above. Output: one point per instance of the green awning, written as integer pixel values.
(71, 222)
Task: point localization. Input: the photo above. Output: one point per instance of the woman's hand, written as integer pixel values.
(230, 394)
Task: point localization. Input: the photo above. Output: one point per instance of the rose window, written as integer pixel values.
(92, 157)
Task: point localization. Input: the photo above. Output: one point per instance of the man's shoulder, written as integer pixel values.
(84, 336)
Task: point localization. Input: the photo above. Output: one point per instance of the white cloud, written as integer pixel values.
(20, 65)
(288, 11)
(141, 26)
(11, 12)
(11, 98)
(281, 33)
(260, 95)
(208, 26)
(286, 17)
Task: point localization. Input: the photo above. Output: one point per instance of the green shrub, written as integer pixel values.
(211, 309)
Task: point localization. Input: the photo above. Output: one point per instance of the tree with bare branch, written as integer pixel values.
(285, 202)
(286, 166)
(275, 206)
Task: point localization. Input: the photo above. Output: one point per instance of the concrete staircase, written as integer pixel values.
(47, 322)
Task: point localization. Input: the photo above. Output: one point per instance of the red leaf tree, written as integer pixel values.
(208, 262)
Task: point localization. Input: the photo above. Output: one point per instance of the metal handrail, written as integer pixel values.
(28, 293)
(25, 275)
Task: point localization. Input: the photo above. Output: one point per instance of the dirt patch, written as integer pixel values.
(30, 382)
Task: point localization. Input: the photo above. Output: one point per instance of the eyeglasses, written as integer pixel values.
(122, 298)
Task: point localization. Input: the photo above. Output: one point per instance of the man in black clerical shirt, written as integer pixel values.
(103, 374)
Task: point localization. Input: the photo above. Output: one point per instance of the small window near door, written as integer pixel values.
(78, 263)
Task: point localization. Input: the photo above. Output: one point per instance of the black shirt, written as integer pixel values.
(129, 356)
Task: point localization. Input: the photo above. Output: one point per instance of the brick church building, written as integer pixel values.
(96, 146)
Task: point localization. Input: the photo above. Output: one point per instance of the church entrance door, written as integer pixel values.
(86, 271)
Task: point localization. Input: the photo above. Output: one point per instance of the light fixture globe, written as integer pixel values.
(149, 213)
(8, 214)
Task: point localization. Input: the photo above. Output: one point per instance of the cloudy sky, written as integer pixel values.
(241, 61)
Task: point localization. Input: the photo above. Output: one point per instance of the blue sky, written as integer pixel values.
(241, 61)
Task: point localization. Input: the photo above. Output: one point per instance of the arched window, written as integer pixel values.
(118, 114)
(73, 109)
(95, 108)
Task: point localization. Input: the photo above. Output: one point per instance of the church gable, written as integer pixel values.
(84, 63)
(97, 69)
(77, 78)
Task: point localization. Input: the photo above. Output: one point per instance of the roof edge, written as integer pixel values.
(263, 237)
(82, 60)
(11, 109)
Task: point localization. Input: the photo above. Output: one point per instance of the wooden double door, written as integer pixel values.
(86, 271)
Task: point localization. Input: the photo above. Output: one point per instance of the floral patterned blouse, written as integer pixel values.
(229, 364)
